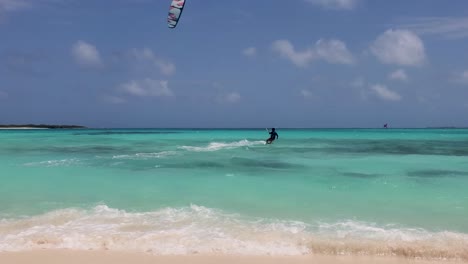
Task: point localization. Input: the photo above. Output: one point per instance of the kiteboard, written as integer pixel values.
(269, 141)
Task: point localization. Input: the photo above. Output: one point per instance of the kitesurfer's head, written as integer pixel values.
(273, 129)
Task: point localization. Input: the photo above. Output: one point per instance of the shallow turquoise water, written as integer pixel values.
(374, 185)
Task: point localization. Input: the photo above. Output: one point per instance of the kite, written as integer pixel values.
(175, 11)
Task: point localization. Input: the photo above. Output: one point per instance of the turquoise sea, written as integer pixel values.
(172, 191)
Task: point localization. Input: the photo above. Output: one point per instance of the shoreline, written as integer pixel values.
(21, 128)
(120, 257)
(221, 128)
(40, 126)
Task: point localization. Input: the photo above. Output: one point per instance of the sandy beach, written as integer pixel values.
(106, 257)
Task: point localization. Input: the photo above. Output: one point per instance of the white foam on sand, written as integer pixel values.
(198, 229)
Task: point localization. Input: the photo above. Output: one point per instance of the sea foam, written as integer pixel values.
(214, 146)
(54, 163)
(145, 155)
(197, 229)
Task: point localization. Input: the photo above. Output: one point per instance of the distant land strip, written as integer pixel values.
(41, 126)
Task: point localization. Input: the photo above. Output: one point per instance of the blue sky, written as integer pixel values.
(243, 63)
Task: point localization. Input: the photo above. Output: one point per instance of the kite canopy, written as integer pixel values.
(175, 11)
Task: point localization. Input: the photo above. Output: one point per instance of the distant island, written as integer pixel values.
(25, 126)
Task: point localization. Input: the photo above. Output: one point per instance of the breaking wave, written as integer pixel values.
(197, 229)
(214, 146)
(54, 163)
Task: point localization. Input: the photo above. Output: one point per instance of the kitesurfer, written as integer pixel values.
(273, 136)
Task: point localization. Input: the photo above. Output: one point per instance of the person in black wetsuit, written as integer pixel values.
(273, 136)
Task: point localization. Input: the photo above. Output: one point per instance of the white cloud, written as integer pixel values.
(399, 75)
(401, 47)
(462, 77)
(306, 93)
(335, 4)
(250, 52)
(449, 27)
(166, 68)
(384, 93)
(360, 84)
(147, 87)
(231, 97)
(146, 55)
(13, 5)
(86, 54)
(286, 50)
(331, 51)
(8, 6)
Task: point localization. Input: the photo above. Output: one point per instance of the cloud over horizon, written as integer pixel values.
(332, 51)
(147, 55)
(398, 75)
(13, 5)
(462, 77)
(307, 93)
(228, 97)
(384, 93)
(249, 52)
(8, 6)
(147, 87)
(400, 47)
(448, 27)
(335, 4)
(86, 54)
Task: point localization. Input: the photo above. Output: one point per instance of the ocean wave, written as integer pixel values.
(54, 163)
(148, 155)
(214, 146)
(190, 230)
(197, 229)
